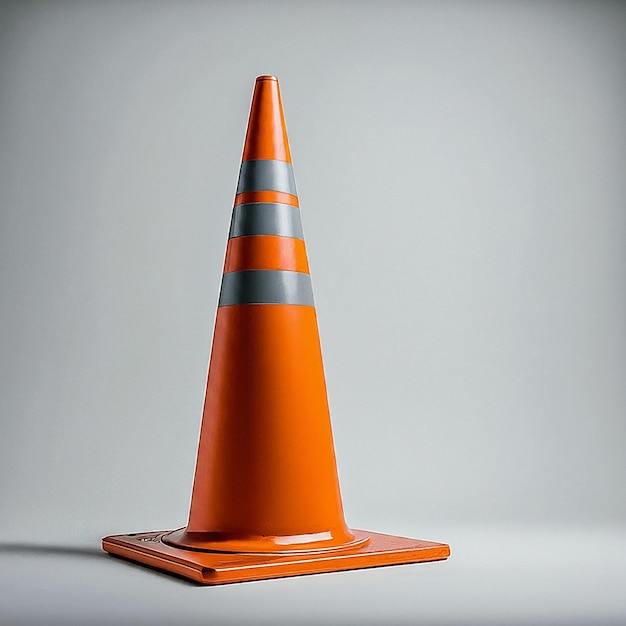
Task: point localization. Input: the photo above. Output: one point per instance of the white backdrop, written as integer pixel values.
(460, 167)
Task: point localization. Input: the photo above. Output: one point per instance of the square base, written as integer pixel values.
(216, 568)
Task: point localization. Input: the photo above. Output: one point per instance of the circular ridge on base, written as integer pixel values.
(259, 544)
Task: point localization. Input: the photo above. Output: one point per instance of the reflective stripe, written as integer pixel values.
(266, 175)
(266, 287)
(266, 218)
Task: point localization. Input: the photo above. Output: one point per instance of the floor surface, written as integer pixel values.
(494, 576)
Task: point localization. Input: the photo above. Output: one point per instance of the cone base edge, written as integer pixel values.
(216, 568)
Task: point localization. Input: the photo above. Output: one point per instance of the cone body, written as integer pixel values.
(266, 499)
(266, 477)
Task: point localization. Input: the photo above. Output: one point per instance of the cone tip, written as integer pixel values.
(266, 77)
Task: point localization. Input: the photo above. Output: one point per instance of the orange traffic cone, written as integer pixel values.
(266, 500)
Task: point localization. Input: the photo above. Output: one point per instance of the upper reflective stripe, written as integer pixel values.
(266, 175)
(266, 218)
(266, 287)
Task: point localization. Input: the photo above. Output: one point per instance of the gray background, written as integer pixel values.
(461, 171)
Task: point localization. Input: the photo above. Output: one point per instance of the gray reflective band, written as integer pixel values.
(266, 175)
(266, 218)
(266, 287)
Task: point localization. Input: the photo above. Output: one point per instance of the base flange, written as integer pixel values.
(216, 568)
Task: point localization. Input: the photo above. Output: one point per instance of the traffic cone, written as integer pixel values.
(266, 501)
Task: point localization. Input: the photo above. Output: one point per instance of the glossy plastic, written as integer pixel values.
(266, 491)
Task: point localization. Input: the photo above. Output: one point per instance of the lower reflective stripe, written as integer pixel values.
(266, 287)
(266, 218)
(266, 175)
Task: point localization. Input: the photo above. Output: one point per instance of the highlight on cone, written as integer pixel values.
(266, 500)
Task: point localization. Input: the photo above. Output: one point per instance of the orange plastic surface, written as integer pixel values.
(215, 568)
(266, 252)
(266, 462)
(267, 135)
(266, 196)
